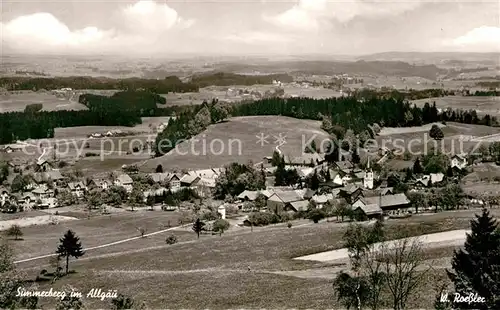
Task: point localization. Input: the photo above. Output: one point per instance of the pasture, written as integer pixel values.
(482, 105)
(17, 101)
(148, 125)
(237, 141)
(241, 266)
(457, 138)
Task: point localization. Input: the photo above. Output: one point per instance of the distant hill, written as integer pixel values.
(388, 68)
(435, 57)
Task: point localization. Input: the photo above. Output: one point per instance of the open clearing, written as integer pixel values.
(242, 265)
(148, 125)
(17, 101)
(236, 140)
(482, 105)
(458, 138)
(33, 221)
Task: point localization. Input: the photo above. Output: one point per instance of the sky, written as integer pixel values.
(243, 27)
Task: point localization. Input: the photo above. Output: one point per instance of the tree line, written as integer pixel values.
(189, 123)
(159, 86)
(339, 116)
(121, 109)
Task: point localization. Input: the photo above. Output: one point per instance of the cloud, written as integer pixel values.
(150, 17)
(45, 29)
(315, 14)
(141, 23)
(484, 38)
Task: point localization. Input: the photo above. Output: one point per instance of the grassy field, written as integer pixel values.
(17, 101)
(41, 240)
(482, 105)
(415, 139)
(239, 137)
(148, 125)
(242, 267)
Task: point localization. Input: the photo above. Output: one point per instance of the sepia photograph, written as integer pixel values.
(250, 154)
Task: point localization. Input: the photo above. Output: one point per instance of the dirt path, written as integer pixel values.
(448, 238)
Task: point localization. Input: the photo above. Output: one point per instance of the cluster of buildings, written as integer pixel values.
(42, 188)
(348, 185)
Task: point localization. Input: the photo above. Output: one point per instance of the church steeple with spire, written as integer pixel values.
(368, 179)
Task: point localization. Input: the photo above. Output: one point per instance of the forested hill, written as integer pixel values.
(159, 86)
(227, 79)
(121, 109)
(384, 68)
(337, 114)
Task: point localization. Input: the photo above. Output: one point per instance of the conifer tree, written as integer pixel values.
(417, 167)
(476, 268)
(198, 226)
(69, 246)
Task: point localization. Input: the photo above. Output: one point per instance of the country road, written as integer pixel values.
(447, 238)
(105, 245)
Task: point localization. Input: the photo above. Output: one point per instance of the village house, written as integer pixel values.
(125, 181)
(54, 176)
(247, 195)
(297, 206)
(387, 203)
(77, 189)
(350, 192)
(205, 187)
(189, 181)
(43, 165)
(429, 180)
(26, 200)
(101, 184)
(346, 167)
(48, 203)
(172, 180)
(4, 196)
(280, 198)
(370, 211)
(458, 162)
(321, 200)
(43, 192)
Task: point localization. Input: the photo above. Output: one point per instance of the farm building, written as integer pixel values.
(297, 206)
(125, 181)
(99, 184)
(280, 198)
(459, 162)
(386, 203)
(77, 189)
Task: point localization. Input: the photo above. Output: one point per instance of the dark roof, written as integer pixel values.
(387, 200)
(370, 209)
(287, 195)
(300, 205)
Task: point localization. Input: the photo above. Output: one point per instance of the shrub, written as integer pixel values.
(289, 225)
(263, 218)
(209, 216)
(220, 226)
(316, 215)
(172, 239)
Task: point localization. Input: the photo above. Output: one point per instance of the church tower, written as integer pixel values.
(368, 179)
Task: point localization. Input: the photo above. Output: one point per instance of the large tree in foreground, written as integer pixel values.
(69, 246)
(476, 267)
